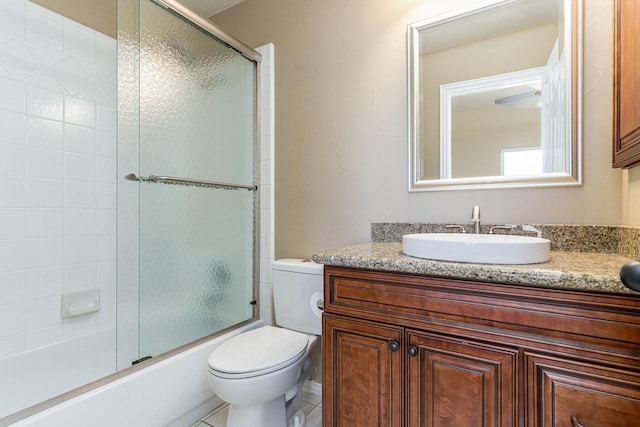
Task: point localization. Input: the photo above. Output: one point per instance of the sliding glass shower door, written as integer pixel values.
(196, 181)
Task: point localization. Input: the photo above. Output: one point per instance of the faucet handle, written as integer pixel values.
(455, 227)
(500, 227)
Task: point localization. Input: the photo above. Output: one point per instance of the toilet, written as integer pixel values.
(260, 373)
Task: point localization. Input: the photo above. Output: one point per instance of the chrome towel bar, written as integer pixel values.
(191, 182)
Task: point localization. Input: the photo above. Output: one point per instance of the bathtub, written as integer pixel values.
(65, 365)
(173, 392)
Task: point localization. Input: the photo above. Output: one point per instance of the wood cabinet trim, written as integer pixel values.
(591, 319)
(531, 338)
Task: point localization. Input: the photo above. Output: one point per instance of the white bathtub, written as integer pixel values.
(65, 366)
(173, 392)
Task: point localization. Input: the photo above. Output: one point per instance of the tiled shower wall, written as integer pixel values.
(57, 175)
(267, 180)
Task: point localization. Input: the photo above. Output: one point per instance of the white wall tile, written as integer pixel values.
(13, 127)
(105, 169)
(108, 298)
(18, 60)
(14, 191)
(44, 103)
(43, 312)
(79, 194)
(13, 254)
(105, 248)
(79, 222)
(105, 221)
(79, 139)
(12, 95)
(45, 163)
(79, 111)
(106, 143)
(51, 76)
(79, 41)
(12, 287)
(105, 196)
(44, 282)
(78, 250)
(106, 276)
(44, 27)
(80, 277)
(107, 118)
(13, 159)
(106, 53)
(12, 344)
(12, 318)
(12, 17)
(266, 171)
(44, 223)
(45, 193)
(79, 167)
(81, 325)
(44, 133)
(43, 253)
(44, 336)
(12, 223)
(266, 292)
(266, 197)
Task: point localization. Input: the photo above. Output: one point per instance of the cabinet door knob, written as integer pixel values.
(412, 350)
(394, 346)
(575, 422)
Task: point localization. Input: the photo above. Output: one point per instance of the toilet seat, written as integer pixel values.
(257, 352)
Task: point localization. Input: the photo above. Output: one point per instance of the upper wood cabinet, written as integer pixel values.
(626, 83)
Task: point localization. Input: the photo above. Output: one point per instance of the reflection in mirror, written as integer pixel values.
(494, 96)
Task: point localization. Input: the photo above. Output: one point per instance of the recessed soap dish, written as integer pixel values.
(80, 303)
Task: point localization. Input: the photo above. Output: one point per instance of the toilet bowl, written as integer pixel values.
(261, 372)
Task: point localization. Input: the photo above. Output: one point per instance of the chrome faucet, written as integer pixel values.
(475, 219)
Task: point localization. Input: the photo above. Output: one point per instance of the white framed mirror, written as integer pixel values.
(495, 96)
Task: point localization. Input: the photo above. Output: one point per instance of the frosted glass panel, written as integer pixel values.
(196, 264)
(197, 102)
(197, 121)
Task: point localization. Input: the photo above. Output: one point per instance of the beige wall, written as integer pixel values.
(97, 14)
(631, 196)
(341, 125)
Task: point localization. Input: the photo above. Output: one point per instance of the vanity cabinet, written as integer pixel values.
(408, 350)
(626, 83)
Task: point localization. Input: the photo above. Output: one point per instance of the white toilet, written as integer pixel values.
(260, 373)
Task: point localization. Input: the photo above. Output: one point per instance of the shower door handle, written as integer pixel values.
(189, 181)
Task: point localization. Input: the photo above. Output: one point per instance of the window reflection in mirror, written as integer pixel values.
(495, 77)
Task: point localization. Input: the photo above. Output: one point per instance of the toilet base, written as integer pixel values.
(298, 420)
(276, 413)
(269, 414)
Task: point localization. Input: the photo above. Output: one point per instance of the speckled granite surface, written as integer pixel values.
(603, 239)
(566, 270)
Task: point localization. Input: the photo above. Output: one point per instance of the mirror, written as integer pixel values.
(495, 96)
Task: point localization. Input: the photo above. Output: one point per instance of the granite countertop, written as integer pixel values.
(567, 270)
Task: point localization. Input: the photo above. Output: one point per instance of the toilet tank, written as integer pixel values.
(297, 294)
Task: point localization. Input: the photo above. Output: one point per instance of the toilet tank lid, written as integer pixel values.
(297, 265)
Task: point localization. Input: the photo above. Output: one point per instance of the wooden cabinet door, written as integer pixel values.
(362, 374)
(626, 83)
(572, 394)
(460, 383)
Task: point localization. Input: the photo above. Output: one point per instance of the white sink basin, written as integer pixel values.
(477, 248)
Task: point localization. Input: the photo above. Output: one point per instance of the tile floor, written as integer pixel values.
(311, 405)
